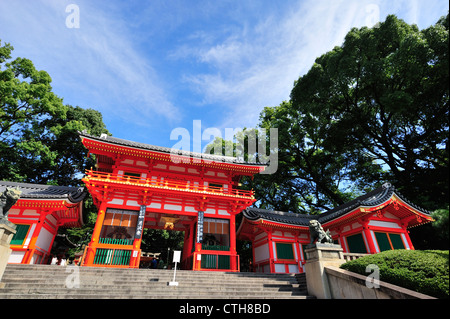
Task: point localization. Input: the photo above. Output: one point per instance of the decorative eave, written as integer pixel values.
(71, 195)
(368, 204)
(64, 201)
(107, 145)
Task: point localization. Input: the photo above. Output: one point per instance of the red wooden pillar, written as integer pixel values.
(89, 260)
(298, 253)
(32, 245)
(369, 239)
(408, 239)
(188, 245)
(197, 257)
(233, 263)
(271, 252)
(136, 253)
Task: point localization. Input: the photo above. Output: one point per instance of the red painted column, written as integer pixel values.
(32, 245)
(369, 239)
(136, 253)
(89, 260)
(271, 252)
(233, 263)
(408, 239)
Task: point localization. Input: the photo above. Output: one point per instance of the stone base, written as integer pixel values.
(7, 231)
(317, 257)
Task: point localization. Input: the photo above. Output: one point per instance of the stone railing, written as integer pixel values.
(352, 256)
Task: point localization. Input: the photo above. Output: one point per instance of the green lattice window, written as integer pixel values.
(284, 251)
(388, 241)
(397, 241)
(356, 244)
(19, 236)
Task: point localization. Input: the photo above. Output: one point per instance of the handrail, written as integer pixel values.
(167, 184)
(352, 256)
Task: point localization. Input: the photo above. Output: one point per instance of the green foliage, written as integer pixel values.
(424, 271)
(372, 110)
(382, 98)
(159, 240)
(39, 142)
(311, 175)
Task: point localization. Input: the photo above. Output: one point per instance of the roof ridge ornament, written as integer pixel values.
(387, 185)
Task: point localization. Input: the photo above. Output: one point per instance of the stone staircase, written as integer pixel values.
(46, 281)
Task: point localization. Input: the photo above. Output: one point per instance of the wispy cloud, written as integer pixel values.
(99, 61)
(256, 64)
(161, 64)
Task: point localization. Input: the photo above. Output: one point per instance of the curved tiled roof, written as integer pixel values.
(39, 191)
(168, 150)
(252, 213)
(371, 199)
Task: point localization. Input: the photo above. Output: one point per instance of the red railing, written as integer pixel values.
(189, 186)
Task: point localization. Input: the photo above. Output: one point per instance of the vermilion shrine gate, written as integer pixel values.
(137, 186)
(369, 224)
(38, 214)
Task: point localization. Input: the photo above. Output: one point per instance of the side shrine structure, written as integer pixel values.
(38, 214)
(137, 186)
(374, 222)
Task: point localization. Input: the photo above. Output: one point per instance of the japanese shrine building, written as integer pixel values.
(374, 222)
(38, 214)
(137, 186)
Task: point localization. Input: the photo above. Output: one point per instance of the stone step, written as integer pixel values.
(106, 271)
(158, 291)
(26, 288)
(153, 296)
(48, 281)
(145, 281)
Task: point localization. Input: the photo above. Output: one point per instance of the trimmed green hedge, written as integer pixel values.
(424, 271)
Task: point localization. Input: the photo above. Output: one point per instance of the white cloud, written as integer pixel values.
(236, 56)
(96, 65)
(256, 65)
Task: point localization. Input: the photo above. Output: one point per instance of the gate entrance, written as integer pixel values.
(140, 186)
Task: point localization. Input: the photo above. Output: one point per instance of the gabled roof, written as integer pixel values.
(252, 213)
(371, 199)
(39, 191)
(142, 146)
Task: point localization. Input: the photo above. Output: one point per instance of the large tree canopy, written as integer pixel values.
(370, 111)
(39, 142)
(384, 96)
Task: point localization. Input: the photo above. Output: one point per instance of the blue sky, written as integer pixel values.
(152, 66)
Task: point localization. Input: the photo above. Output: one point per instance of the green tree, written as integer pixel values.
(372, 110)
(39, 140)
(384, 96)
(311, 176)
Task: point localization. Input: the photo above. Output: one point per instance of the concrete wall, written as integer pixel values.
(345, 284)
(7, 231)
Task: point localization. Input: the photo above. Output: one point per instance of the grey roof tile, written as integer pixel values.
(370, 199)
(168, 150)
(36, 191)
